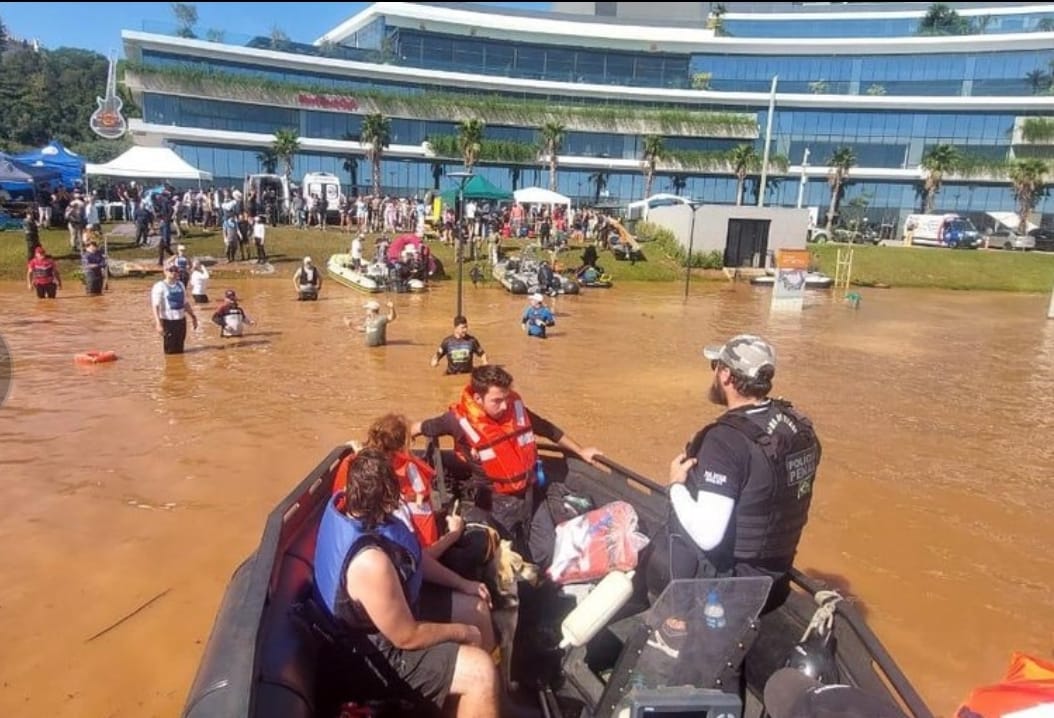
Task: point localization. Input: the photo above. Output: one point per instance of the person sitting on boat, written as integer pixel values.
(740, 492)
(537, 317)
(548, 282)
(230, 317)
(369, 572)
(94, 264)
(307, 280)
(42, 274)
(459, 348)
(356, 254)
(494, 435)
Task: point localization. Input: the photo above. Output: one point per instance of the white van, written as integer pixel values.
(941, 230)
(264, 182)
(322, 184)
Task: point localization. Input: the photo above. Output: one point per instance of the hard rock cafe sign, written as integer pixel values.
(327, 102)
(107, 121)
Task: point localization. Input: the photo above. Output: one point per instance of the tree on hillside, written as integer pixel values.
(4, 36)
(654, 150)
(840, 162)
(943, 20)
(470, 141)
(552, 135)
(186, 18)
(743, 158)
(376, 134)
(286, 146)
(938, 161)
(1028, 177)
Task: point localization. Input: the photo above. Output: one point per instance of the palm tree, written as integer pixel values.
(743, 159)
(514, 175)
(1038, 80)
(1028, 178)
(654, 150)
(943, 20)
(376, 134)
(438, 170)
(599, 180)
(351, 166)
(552, 134)
(937, 161)
(268, 160)
(840, 162)
(470, 141)
(286, 146)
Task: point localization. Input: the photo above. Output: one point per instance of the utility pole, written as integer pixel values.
(768, 142)
(804, 179)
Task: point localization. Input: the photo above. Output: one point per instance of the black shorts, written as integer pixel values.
(45, 290)
(428, 672)
(201, 298)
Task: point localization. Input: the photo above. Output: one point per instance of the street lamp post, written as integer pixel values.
(691, 244)
(459, 250)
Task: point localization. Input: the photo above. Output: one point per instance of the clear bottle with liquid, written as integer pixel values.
(714, 610)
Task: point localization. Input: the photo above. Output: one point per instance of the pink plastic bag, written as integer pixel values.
(590, 546)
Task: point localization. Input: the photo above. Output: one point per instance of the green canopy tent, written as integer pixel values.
(477, 187)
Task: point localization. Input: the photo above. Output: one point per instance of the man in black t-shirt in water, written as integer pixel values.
(459, 348)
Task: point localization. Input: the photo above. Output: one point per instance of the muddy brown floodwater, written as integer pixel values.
(152, 476)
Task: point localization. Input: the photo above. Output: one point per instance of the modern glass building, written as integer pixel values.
(858, 78)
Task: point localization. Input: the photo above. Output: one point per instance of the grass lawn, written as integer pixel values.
(286, 247)
(944, 268)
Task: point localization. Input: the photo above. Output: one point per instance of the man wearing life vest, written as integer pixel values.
(307, 280)
(369, 570)
(495, 435)
(43, 275)
(170, 309)
(740, 493)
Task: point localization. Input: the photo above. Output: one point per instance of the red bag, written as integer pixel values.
(590, 546)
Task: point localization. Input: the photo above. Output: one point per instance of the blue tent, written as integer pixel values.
(22, 180)
(54, 156)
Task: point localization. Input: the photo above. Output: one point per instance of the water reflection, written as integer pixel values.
(934, 410)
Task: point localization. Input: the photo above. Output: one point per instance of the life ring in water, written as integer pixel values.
(95, 357)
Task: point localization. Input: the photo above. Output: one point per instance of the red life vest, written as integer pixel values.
(425, 525)
(43, 270)
(415, 477)
(1026, 689)
(506, 448)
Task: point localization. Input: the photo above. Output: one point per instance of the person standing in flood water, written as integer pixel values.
(741, 490)
(168, 300)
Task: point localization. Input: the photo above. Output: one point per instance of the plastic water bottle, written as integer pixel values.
(714, 611)
(539, 472)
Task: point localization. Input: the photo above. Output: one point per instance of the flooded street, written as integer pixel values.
(149, 479)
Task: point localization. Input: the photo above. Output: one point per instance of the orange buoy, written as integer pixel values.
(95, 357)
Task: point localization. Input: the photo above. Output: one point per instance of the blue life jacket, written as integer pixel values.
(175, 296)
(340, 538)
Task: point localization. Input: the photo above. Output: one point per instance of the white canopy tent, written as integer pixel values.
(540, 195)
(158, 163)
(1011, 220)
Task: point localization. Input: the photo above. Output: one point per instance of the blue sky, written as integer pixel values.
(97, 26)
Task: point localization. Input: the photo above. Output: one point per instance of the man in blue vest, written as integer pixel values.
(369, 570)
(740, 492)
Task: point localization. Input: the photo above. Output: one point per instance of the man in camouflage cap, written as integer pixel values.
(740, 492)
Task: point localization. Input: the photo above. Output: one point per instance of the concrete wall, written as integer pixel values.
(787, 231)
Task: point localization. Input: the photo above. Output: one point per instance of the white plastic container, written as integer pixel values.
(596, 609)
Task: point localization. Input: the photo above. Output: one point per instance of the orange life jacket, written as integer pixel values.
(506, 448)
(415, 477)
(425, 525)
(1028, 684)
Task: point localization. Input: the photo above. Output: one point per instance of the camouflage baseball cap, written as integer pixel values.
(744, 354)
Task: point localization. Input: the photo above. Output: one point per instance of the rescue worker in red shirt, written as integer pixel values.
(42, 274)
(495, 435)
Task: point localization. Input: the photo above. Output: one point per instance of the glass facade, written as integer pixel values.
(241, 117)
(878, 27)
(944, 74)
(542, 62)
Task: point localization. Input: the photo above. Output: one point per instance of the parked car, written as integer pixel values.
(1004, 238)
(1044, 239)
